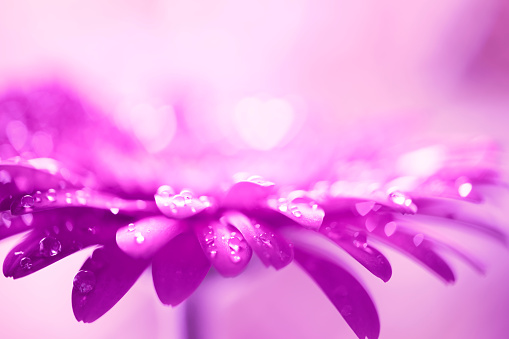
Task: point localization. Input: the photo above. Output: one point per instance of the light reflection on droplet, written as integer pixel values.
(27, 201)
(465, 189)
(139, 238)
(49, 247)
(25, 263)
(114, 210)
(51, 195)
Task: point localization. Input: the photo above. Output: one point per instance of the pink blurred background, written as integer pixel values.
(440, 64)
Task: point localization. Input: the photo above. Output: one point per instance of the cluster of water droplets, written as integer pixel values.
(236, 243)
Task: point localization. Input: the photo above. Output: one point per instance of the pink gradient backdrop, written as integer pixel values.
(440, 64)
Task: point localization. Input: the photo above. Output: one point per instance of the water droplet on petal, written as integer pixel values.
(115, 210)
(51, 195)
(38, 197)
(131, 227)
(235, 258)
(266, 239)
(139, 238)
(464, 189)
(5, 177)
(398, 198)
(390, 228)
(7, 218)
(84, 281)
(25, 263)
(360, 240)
(295, 211)
(283, 207)
(69, 225)
(49, 247)
(27, 201)
(165, 191)
(418, 239)
(68, 198)
(27, 218)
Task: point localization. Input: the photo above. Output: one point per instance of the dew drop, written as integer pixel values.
(5, 177)
(265, 239)
(92, 230)
(139, 238)
(464, 189)
(114, 210)
(81, 197)
(38, 197)
(68, 198)
(398, 198)
(51, 195)
(283, 207)
(27, 218)
(69, 225)
(7, 218)
(390, 228)
(84, 281)
(418, 239)
(27, 201)
(295, 211)
(165, 191)
(360, 240)
(131, 227)
(25, 263)
(235, 258)
(49, 247)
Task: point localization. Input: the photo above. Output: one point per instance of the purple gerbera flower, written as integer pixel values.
(59, 185)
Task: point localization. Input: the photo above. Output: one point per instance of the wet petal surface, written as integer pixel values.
(271, 248)
(103, 280)
(345, 292)
(179, 206)
(143, 238)
(179, 268)
(224, 246)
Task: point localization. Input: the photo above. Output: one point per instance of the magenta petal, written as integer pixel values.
(225, 247)
(145, 237)
(418, 247)
(271, 248)
(179, 268)
(302, 210)
(366, 255)
(102, 281)
(57, 234)
(51, 199)
(179, 206)
(14, 224)
(345, 292)
(18, 179)
(249, 193)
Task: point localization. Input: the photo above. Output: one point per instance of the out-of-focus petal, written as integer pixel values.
(143, 238)
(356, 245)
(248, 193)
(272, 249)
(303, 210)
(416, 246)
(179, 268)
(18, 178)
(57, 234)
(51, 199)
(179, 206)
(103, 280)
(14, 224)
(345, 292)
(224, 246)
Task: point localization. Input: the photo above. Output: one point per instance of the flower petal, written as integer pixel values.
(51, 199)
(224, 246)
(179, 268)
(303, 210)
(356, 245)
(248, 193)
(145, 237)
(103, 280)
(271, 248)
(345, 292)
(57, 234)
(418, 247)
(20, 178)
(179, 206)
